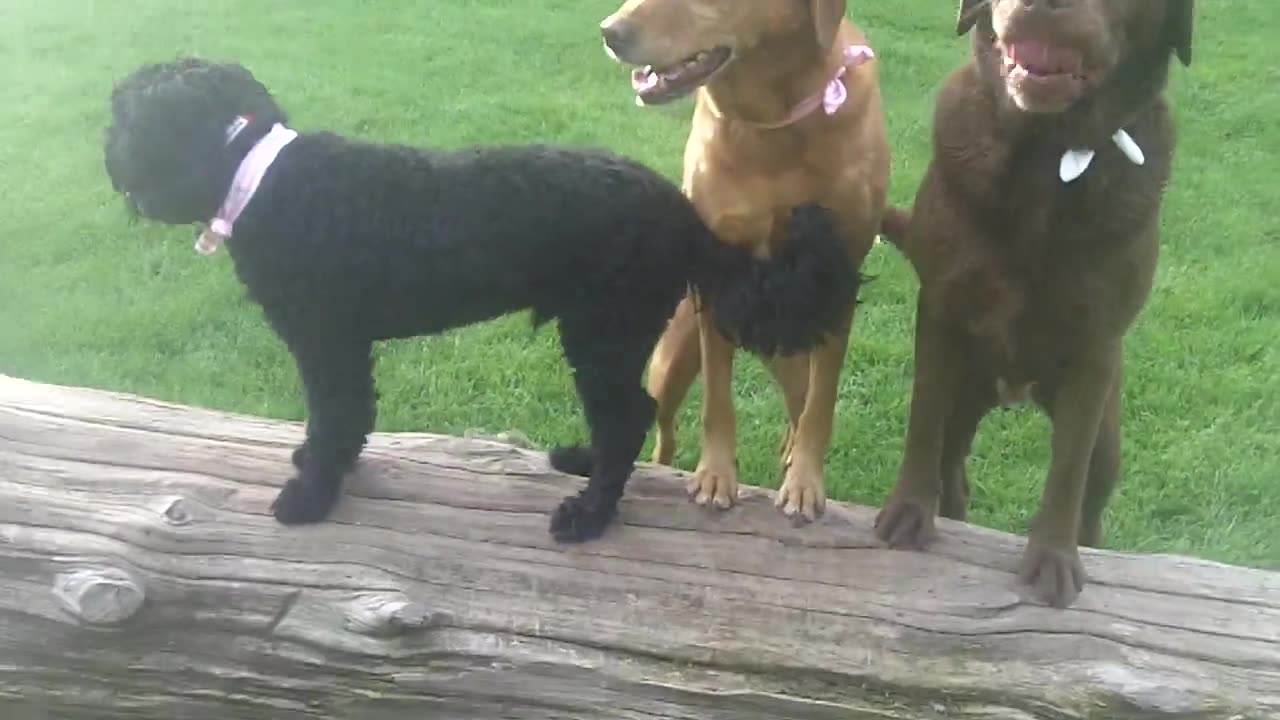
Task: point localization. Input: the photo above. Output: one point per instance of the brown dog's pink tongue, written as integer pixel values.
(1043, 59)
(1030, 54)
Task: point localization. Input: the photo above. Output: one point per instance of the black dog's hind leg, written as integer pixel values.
(341, 408)
(573, 459)
(608, 367)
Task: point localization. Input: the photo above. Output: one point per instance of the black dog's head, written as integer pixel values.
(167, 148)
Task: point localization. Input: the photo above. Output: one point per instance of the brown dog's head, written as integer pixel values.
(1047, 54)
(677, 46)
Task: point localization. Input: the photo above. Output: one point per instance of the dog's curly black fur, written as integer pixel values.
(793, 300)
(347, 243)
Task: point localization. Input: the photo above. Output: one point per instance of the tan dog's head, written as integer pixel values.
(677, 46)
(1045, 55)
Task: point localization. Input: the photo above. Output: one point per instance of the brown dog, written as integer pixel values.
(1035, 236)
(788, 114)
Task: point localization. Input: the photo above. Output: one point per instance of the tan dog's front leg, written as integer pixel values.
(791, 373)
(803, 495)
(716, 479)
(673, 367)
(1051, 562)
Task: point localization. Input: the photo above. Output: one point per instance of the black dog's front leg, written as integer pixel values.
(341, 409)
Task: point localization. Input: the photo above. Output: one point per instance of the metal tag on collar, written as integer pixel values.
(1075, 162)
(208, 241)
(236, 127)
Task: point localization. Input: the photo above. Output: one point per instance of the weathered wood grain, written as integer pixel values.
(141, 577)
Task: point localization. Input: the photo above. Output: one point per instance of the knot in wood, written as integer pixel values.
(177, 512)
(99, 596)
(388, 615)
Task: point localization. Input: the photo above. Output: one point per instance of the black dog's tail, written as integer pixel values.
(789, 302)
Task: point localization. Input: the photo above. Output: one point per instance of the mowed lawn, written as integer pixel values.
(88, 299)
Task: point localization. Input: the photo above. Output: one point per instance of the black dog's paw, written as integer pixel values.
(306, 501)
(572, 460)
(300, 456)
(579, 519)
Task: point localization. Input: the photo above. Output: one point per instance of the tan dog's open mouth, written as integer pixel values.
(656, 86)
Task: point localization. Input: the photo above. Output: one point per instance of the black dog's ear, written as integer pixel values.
(970, 11)
(1179, 22)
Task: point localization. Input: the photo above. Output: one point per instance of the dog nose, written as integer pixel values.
(618, 34)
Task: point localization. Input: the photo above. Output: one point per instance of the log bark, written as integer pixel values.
(141, 576)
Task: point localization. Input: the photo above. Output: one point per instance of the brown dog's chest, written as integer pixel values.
(1044, 270)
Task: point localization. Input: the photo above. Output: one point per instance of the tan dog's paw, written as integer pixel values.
(802, 496)
(714, 484)
(1056, 576)
(906, 523)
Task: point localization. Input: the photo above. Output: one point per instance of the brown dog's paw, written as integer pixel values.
(1056, 576)
(714, 484)
(906, 524)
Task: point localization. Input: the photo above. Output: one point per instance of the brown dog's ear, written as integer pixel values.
(970, 11)
(1179, 23)
(827, 15)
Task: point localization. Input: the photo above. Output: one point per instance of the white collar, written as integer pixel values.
(1075, 162)
(245, 183)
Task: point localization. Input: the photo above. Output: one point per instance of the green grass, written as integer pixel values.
(87, 299)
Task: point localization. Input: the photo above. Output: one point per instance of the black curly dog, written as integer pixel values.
(346, 243)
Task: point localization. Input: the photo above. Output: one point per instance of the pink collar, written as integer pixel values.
(244, 184)
(832, 97)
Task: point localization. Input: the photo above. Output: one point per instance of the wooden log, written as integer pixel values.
(142, 577)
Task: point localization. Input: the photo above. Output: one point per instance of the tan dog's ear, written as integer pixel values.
(827, 16)
(1179, 23)
(970, 11)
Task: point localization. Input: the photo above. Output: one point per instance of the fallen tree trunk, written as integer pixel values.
(141, 577)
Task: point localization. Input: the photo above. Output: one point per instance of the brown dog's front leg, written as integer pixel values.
(1051, 563)
(1104, 468)
(716, 479)
(968, 409)
(907, 519)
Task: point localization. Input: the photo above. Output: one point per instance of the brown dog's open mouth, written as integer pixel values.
(1044, 74)
(655, 86)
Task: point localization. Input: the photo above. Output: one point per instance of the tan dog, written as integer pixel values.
(1035, 234)
(762, 143)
